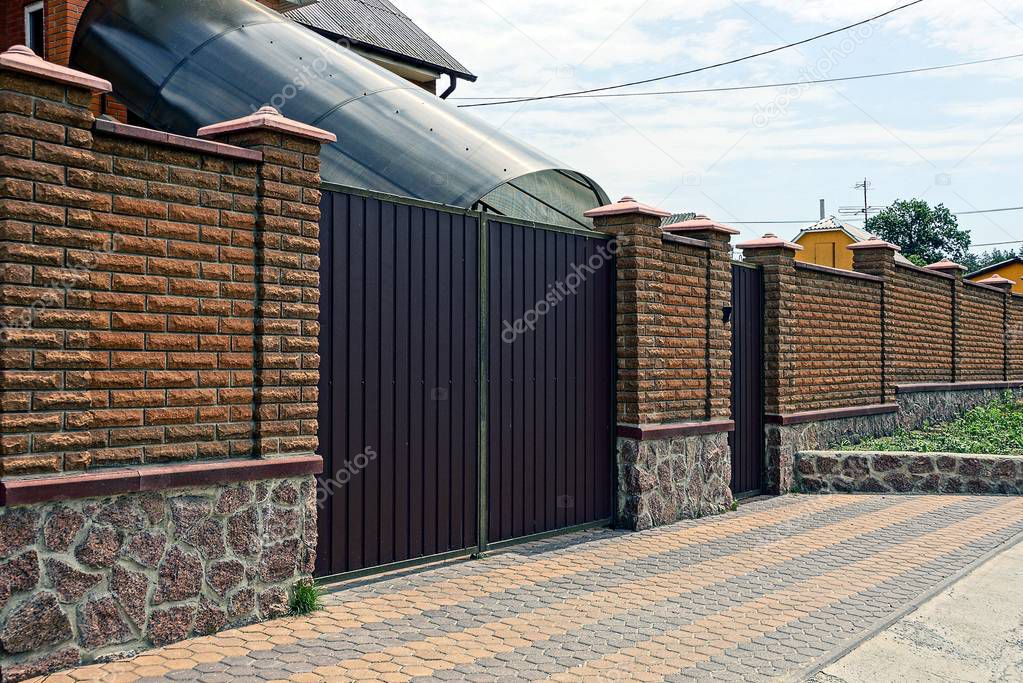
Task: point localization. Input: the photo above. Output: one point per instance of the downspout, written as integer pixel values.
(451, 88)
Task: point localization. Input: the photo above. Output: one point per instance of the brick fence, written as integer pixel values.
(858, 353)
(158, 372)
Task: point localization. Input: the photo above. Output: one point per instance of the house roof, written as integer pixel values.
(678, 218)
(994, 266)
(379, 26)
(856, 234)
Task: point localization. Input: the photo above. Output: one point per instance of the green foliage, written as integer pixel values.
(996, 428)
(306, 598)
(735, 505)
(924, 232)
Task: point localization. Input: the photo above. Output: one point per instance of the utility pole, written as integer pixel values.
(867, 209)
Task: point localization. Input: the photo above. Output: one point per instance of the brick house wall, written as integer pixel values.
(158, 373)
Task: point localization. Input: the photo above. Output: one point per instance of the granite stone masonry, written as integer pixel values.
(85, 580)
(895, 472)
(663, 481)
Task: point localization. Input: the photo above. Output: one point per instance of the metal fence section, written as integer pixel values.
(439, 431)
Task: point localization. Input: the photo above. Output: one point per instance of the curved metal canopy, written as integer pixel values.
(183, 64)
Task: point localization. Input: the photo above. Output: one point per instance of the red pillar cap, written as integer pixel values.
(945, 264)
(626, 205)
(22, 60)
(769, 241)
(268, 118)
(702, 224)
(997, 281)
(875, 244)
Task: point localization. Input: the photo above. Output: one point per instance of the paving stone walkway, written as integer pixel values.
(759, 594)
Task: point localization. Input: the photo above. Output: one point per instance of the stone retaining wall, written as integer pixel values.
(866, 472)
(915, 408)
(89, 579)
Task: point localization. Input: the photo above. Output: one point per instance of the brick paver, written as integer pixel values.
(753, 595)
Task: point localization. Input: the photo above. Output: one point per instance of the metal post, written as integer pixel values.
(483, 388)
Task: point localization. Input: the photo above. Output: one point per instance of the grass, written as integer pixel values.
(306, 598)
(995, 428)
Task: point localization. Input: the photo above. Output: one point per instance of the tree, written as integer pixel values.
(924, 232)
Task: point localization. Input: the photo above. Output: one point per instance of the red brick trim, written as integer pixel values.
(154, 478)
(651, 432)
(689, 241)
(178, 141)
(830, 414)
(956, 386)
(838, 271)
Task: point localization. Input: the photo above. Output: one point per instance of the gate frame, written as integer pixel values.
(483, 546)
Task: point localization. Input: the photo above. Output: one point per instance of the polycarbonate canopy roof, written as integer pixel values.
(183, 64)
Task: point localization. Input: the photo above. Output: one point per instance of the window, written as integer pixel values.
(35, 31)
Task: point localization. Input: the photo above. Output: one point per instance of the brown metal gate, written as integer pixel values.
(551, 368)
(413, 301)
(747, 440)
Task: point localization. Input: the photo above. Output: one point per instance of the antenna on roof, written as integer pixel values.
(867, 208)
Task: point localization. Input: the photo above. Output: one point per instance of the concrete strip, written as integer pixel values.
(972, 631)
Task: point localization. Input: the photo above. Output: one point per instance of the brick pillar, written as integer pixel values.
(637, 231)
(286, 361)
(956, 293)
(777, 260)
(718, 237)
(877, 257)
(1006, 286)
(674, 365)
(45, 233)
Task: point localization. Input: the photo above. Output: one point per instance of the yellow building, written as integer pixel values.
(1011, 270)
(826, 243)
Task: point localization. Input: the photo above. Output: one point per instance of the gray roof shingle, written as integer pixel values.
(379, 26)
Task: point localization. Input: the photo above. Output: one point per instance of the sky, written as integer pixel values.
(953, 137)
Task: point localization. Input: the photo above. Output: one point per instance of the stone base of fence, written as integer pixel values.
(95, 578)
(680, 476)
(952, 473)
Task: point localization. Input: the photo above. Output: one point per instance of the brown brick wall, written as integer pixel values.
(832, 348)
(824, 335)
(919, 344)
(981, 334)
(160, 301)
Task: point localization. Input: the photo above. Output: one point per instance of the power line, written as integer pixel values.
(762, 86)
(697, 70)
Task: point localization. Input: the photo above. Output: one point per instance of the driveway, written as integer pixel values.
(763, 593)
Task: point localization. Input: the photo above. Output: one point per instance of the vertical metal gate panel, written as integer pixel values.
(551, 387)
(399, 384)
(747, 380)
